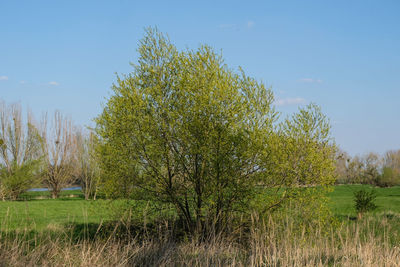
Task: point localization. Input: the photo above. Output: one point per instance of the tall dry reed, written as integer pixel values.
(269, 242)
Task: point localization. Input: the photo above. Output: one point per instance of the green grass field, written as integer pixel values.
(41, 214)
(66, 231)
(342, 203)
(51, 214)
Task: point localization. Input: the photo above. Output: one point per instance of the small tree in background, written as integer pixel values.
(341, 167)
(372, 166)
(364, 201)
(390, 175)
(59, 150)
(87, 164)
(355, 169)
(20, 157)
(388, 178)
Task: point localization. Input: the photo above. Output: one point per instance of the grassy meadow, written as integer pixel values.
(342, 204)
(66, 232)
(35, 212)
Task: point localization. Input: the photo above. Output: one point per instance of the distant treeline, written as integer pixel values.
(371, 168)
(51, 153)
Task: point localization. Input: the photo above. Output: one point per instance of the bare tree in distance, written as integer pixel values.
(342, 162)
(372, 165)
(390, 169)
(19, 151)
(392, 160)
(59, 147)
(88, 169)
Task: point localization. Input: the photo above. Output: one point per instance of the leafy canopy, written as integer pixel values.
(184, 129)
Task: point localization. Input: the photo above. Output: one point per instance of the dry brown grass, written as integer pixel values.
(357, 244)
(269, 243)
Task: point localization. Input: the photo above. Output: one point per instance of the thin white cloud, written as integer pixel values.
(3, 78)
(310, 80)
(22, 82)
(250, 24)
(290, 101)
(54, 83)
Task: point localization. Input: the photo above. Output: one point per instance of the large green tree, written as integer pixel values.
(185, 129)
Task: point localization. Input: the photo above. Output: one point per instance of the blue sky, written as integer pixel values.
(343, 55)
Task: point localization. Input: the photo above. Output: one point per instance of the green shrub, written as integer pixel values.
(19, 178)
(364, 201)
(388, 178)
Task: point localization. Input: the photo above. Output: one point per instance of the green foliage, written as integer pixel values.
(185, 129)
(305, 149)
(388, 178)
(20, 157)
(364, 201)
(302, 167)
(19, 178)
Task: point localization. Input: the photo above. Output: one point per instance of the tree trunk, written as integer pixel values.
(55, 193)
